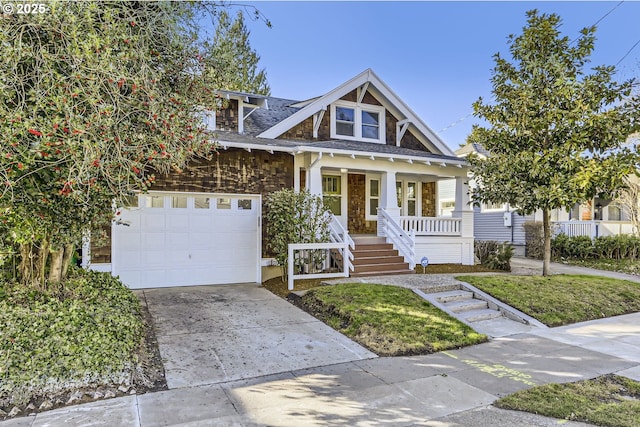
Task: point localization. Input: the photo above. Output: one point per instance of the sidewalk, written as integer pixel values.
(534, 267)
(445, 389)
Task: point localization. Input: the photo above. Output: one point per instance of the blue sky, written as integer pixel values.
(437, 56)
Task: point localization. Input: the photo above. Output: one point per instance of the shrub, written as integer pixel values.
(294, 217)
(534, 239)
(494, 255)
(604, 247)
(83, 333)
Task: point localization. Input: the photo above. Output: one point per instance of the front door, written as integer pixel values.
(334, 195)
(407, 192)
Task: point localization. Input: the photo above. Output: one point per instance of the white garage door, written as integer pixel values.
(187, 239)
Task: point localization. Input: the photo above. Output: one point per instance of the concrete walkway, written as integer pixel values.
(270, 380)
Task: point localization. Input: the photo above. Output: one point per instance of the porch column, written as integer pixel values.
(463, 210)
(314, 177)
(297, 166)
(389, 198)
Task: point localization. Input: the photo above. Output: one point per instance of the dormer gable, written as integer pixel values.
(362, 109)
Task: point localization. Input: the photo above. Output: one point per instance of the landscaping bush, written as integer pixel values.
(494, 255)
(534, 239)
(83, 333)
(605, 247)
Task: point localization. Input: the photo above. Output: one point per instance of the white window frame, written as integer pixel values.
(358, 109)
(403, 201)
(371, 216)
(485, 208)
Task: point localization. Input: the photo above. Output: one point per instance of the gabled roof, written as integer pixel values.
(472, 147)
(389, 98)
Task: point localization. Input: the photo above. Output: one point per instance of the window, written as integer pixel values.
(358, 122)
(411, 198)
(244, 204)
(614, 213)
(155, 201)
(223, 203)
(131, 201)
(447, 207)
(178, 202)
(345, 121)
(332, 193)
(201, 202)
(493, 206)
(374, 196)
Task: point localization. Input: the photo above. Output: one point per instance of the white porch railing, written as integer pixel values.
(592, 228)
(312, 261)
(338, 234)
(431, 226)
(404, 241)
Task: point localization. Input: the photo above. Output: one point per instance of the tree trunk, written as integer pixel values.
(55, 266)
(546, 232)
(66, 259)
(33, 263)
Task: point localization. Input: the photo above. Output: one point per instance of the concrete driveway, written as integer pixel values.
(214, 334)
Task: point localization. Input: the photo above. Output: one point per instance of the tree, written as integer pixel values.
(235, 63)
(555, 134)
(95, 98)
(629, 200)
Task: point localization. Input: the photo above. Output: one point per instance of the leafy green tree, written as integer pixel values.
(235, 63)
(555, 132)
(95, 98)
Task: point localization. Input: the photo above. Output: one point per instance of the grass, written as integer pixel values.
(610, 400)
(619, 265)
(562, 299)
(388, 320)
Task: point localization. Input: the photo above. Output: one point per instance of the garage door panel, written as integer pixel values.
(152, 241)
(174, 246)
(152, 221)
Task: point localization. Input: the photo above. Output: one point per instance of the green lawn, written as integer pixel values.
(620, 265)
(388, 320)
(610, 400)
(562, 299)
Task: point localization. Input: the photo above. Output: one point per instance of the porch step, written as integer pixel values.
(368, 240)
(372, 256)
(373, 253)
(386, 266)
(384, 259)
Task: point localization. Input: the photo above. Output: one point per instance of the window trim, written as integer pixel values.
(358, 109)
(484, 208)
(441, 208)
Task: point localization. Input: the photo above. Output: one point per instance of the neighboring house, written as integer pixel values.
(597, 217)
(361, 147)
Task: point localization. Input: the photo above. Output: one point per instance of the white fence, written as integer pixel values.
(592, 228)
(313, 261)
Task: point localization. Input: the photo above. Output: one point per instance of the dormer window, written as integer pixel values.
(361, 122)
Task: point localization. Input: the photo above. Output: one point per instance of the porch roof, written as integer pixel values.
(336, 147)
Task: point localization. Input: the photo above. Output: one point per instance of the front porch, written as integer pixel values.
(395, 199)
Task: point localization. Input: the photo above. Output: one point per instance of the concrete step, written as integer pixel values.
(381, 267)
(381, 273)
(467, 305)
(480, 315)
(358, 260)
(445, 297)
